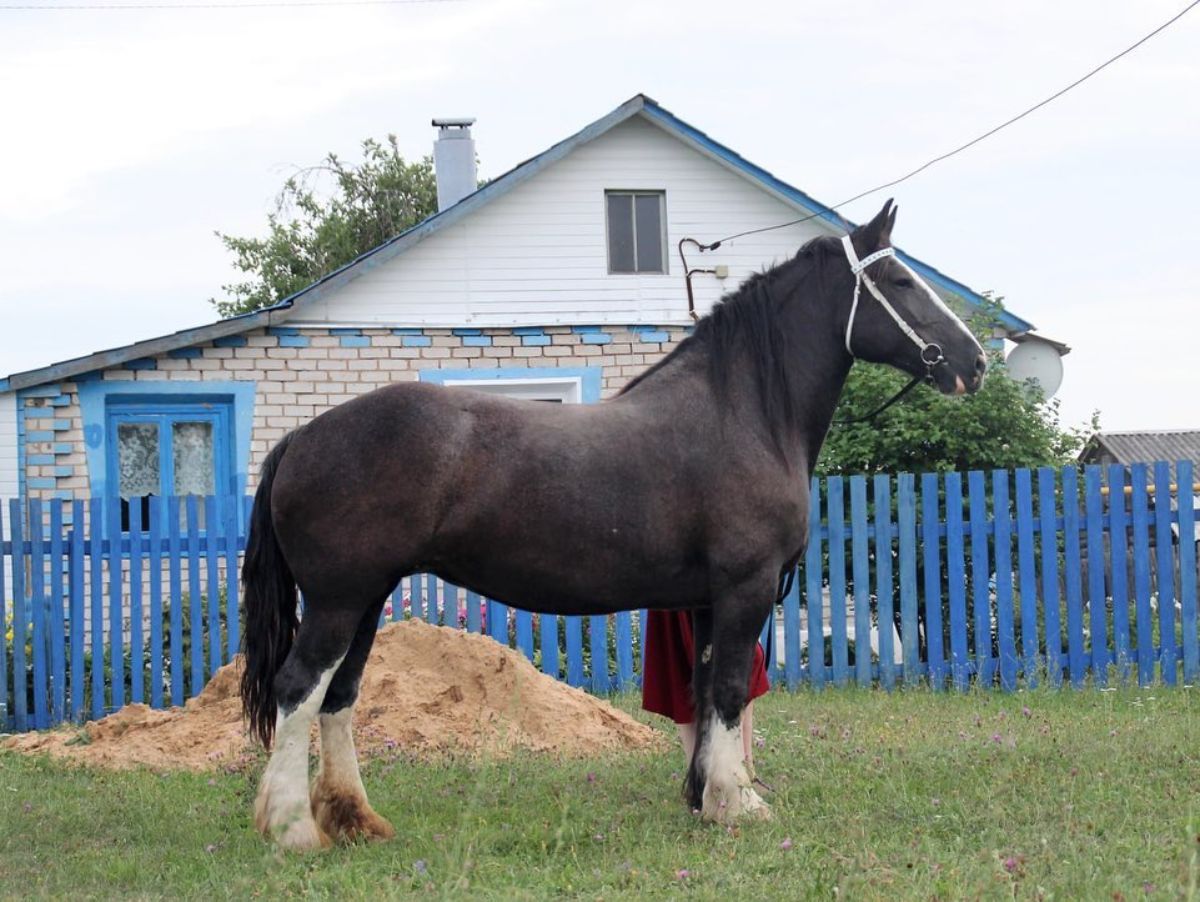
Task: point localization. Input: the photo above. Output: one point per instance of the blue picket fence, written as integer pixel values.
(949, 580)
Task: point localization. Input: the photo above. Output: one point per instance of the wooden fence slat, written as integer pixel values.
(20, 614)
(76, 580)
(1047, 514)
(1139, 508)
(416, 599)
(96, 520)
(58, 621)
(37, 609)
(229, 529)
(548, 627)
(116, 613)
(175, 572)
(814, 604)
(136, 650)
(861, 570)
(1164, 547)
(1097, 598)
(525, 633)
(1184, 476)
(906, 516)
(1006, 639)
(884, 597)
(956, 581)
(431, 600)
(837, 581)
(643, 616)
(497, 621)
(624, 636)
(574, 633)
(598, 644)
(931, 556)
(5, 713)
(1118, 532)
(195, 595)
(981, 602)
(793, 642)
(1072, 567)
(1027, 577)
(156, 607)
(474, 620)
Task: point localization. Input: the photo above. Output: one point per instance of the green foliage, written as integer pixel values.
(310, 235)
(1004, 425)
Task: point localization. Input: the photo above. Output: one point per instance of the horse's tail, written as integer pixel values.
(269, 597)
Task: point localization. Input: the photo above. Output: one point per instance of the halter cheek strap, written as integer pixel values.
(931, 354)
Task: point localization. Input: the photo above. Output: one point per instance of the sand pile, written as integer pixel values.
(426, 691)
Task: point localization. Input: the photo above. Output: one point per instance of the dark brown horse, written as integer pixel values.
(689, 490)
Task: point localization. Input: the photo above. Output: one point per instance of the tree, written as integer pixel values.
(310, 234)
(1004, 425)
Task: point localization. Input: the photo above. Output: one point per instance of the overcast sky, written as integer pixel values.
(128, 137)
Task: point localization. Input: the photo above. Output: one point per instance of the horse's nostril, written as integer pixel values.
(980, 365)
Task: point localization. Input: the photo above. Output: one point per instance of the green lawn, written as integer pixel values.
(1069, 795)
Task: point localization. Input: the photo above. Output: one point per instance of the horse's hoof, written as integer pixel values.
(753, 807)
(348, 817)
(303, 835)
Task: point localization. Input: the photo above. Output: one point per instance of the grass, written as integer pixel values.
(1067, 795)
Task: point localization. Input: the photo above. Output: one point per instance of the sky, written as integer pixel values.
(128, 137)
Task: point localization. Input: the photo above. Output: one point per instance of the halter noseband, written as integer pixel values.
(931, 353)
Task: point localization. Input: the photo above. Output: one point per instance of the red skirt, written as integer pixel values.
(668, 658)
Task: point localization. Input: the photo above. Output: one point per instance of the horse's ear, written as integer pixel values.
(877, 233)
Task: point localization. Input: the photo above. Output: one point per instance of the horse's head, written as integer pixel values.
(895, 318)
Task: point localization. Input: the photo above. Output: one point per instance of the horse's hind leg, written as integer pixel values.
(281, 810)
(727, 792)
(339, 802)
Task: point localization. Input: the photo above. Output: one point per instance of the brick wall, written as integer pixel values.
(298, 373)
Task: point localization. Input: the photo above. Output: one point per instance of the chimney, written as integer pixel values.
(454, 161)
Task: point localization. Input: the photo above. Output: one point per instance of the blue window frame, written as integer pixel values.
(154, 406)
(168, 448)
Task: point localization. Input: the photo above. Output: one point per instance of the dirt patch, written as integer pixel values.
(427, 691)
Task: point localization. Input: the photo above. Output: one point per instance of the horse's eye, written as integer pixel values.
(905, 282)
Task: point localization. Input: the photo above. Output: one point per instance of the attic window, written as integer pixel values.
(636, 231)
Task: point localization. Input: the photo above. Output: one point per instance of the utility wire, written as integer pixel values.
(973, 141)
(252, 4)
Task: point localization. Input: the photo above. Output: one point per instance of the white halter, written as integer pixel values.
(859, 268)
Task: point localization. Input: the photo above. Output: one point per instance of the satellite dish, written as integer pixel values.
(1039, 361)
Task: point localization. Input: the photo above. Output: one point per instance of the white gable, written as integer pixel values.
(537, 255)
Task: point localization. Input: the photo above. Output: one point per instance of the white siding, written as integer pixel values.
(8, 468)
(537, 255)
(8, 446)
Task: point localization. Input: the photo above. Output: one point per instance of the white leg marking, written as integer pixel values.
(283, 808)
(339, 763)
(727, 790)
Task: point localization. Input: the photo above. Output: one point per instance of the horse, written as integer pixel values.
(687, 490)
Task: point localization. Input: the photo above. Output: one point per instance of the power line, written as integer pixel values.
(252, 4)
(1003, 125)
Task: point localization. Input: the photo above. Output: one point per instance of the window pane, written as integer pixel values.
(620, 233)
(137, 460)
(649, 233)
(192, 445)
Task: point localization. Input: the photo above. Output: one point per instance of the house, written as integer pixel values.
(559, 280)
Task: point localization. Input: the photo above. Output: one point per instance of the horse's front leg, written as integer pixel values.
(720, 759)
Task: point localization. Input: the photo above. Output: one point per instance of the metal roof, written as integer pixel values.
(522, 172)
(1144, 447)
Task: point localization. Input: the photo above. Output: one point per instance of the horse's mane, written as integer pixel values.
(746, 322)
